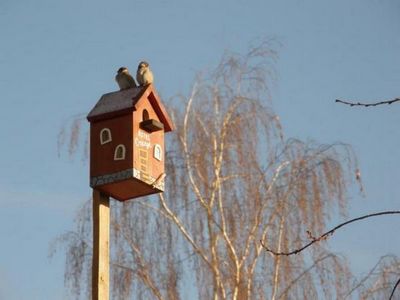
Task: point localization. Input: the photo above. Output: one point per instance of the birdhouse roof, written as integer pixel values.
(122, 102)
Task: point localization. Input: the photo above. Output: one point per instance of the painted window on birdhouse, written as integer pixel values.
(119, 153)
(157, 152)
(105, 136)
(145, 115)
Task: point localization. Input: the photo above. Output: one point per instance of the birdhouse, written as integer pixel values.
(127, 143)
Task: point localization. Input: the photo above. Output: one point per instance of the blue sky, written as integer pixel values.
(58, 57)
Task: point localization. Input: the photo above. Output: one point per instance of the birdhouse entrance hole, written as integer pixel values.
(150, 125)
(145, 115)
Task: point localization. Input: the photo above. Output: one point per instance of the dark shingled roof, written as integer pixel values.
(121, 102)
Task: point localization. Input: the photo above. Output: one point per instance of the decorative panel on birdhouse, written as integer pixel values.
(127, 143)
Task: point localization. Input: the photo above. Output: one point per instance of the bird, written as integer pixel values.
(124, 79)
(144, 76)
(358, 175)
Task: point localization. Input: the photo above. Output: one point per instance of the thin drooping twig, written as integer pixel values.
(362, 281)
(394, 288)
(328, 233)
(368, 104)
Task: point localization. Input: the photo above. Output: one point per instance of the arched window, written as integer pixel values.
(105, 136)
(119, 153)
(145, 115)
(157, 152)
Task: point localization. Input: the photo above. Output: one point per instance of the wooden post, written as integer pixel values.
(101, 246)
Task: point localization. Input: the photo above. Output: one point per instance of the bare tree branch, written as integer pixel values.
(368, 104)
(327, 234)
(363, 280)
(294, 281)
(394, 288)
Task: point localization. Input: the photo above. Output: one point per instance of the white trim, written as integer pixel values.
(102, 142)
(136, 173)
(120, 146)
(157, 153)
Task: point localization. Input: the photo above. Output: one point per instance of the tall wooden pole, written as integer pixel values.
(101, 246)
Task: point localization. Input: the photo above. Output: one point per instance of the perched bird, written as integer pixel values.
(124, 79)
(144, 76)
(358, 175)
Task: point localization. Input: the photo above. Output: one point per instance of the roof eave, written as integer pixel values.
(148, 92)
(159, 108)
(110, 115)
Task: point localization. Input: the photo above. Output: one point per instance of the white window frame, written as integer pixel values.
(120, 146)
(157, 152)
(102, 142)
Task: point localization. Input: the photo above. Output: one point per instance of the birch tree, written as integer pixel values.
(233, 180)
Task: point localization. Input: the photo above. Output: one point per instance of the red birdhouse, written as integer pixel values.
(127, 143)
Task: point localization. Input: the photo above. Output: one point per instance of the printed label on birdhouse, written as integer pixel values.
(143, 144)
(143, 140)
